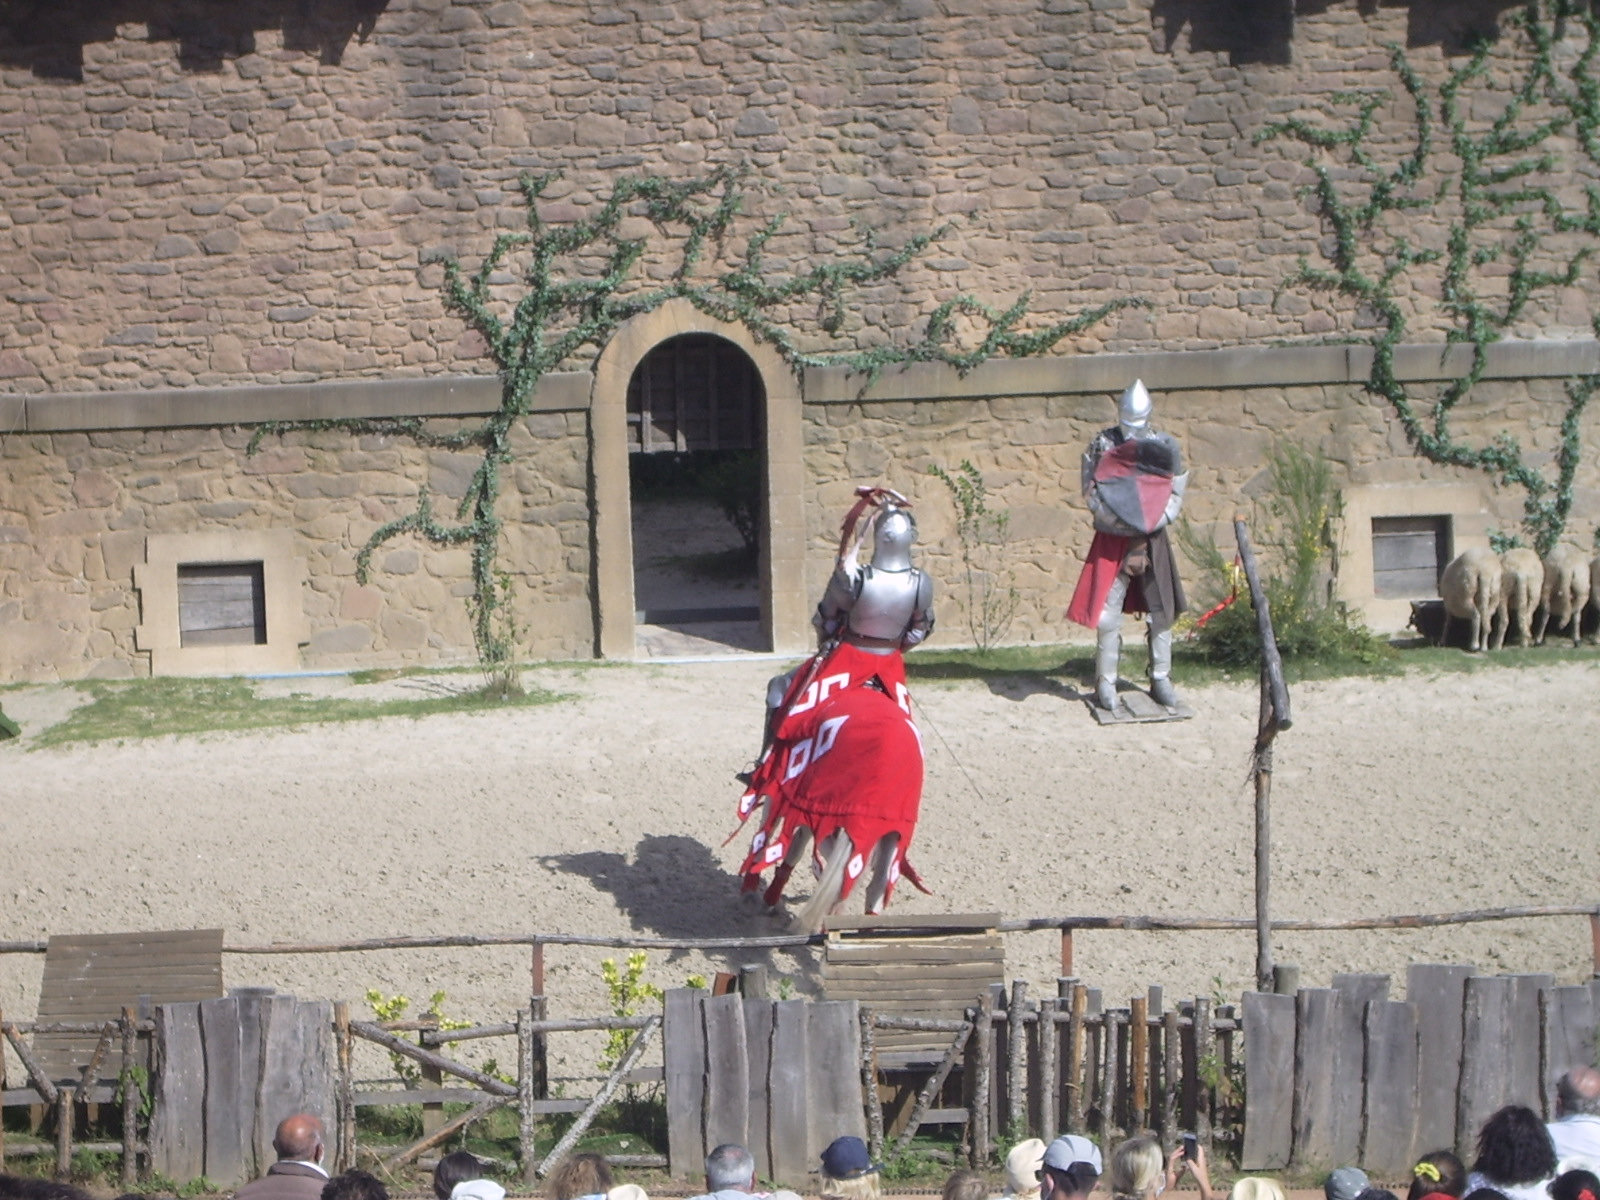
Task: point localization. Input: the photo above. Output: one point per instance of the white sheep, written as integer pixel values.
(1522, 583)
(1471, 589)
(1566, 591)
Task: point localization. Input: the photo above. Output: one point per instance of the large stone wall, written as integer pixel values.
(259, 200)
(76, 510)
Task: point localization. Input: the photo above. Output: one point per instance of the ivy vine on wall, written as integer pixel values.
(548, 294)
(1485, 162)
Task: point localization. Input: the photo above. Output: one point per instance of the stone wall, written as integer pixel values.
(256, 197)
(76, 509)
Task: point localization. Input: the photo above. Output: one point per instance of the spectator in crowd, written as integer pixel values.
(1198, 1166)
(1345, 1183)
(355, 1185)
(1137, 1171)
(298, 1174)
(1580, 1183)
(965, 1185)
(460, 1176)
(1022, 1169)
(848, 1172)
(1439, 1173)
(1070, 1168)
(1377, 1193)
(580, 1177)
(1485, 1193)
(1256, 1187)
(730, 1173)
(1575, 1134)
(20, 1187)
(1515, 1155)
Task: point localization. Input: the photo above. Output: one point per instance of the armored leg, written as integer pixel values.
(1160, 642)
(1108, 645)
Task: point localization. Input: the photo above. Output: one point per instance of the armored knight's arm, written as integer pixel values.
(922, 615)
(838, 598)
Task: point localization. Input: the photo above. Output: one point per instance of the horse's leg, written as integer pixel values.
(836, 853)
(799, 844)
(878, 875)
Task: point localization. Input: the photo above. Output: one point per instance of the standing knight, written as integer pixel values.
(1133, 480)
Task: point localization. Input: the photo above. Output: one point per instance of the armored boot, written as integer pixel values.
(1161, 689)
(1108, 650)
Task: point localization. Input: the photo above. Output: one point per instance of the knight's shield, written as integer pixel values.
(1134, 481)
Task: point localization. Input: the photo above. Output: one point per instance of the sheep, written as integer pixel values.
(1594, 590)
(1522, 580)
(1566, 591)
(1470, 587)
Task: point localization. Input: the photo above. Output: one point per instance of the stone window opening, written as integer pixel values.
(1409, 554)
(221, 602)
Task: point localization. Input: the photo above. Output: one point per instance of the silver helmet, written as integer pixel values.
(892, 539)
(1133, 409)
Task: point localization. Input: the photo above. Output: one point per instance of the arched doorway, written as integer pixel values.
(696, 433)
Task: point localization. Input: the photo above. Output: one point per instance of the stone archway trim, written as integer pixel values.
(784, 606)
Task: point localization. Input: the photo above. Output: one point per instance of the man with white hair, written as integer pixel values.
(730, 1173)
(1576, 1133)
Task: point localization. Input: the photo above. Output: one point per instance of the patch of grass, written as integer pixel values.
(154, 707)
(1074, 665)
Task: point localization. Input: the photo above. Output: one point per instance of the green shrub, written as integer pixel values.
(1297, 553)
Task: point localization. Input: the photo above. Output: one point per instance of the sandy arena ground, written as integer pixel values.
(605, 814)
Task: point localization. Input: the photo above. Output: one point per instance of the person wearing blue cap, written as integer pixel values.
(848, 1172)
(1072, 1166)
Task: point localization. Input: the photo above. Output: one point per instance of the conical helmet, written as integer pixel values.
(893, 536)
(1133, 409)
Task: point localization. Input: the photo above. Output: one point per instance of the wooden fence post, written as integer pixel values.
(1049, 1042)
(130, 1101)
(345, 1095)
(983, 1063)
(1108, 1077)
(527, 1093)
(1204, 1059)
(1171, 1076)
(66, 1113)
(1076, 1037)
(1138, 1062)
(1017, 1057)
(869, 1083)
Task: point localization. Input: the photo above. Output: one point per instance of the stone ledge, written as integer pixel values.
(442, 396)
(1194, 370)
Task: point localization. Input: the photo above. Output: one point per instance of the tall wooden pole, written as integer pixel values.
(1274, 716)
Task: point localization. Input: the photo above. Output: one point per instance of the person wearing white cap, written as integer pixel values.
(1133, 480)
(1070, 1168)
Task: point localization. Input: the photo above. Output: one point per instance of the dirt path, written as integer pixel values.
(606, 814)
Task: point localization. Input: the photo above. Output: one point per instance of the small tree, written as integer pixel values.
(1510, 235)
(991, 599)
(548, 293)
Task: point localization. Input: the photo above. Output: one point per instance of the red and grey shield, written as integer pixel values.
(1134, 481)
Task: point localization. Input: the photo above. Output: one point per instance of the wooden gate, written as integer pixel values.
(782, 1077)
(230, 1069)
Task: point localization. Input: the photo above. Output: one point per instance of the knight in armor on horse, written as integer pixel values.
(1133, 480)
(841, 755)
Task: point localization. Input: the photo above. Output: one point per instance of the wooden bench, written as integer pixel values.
(928, 967)
(90, 977)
